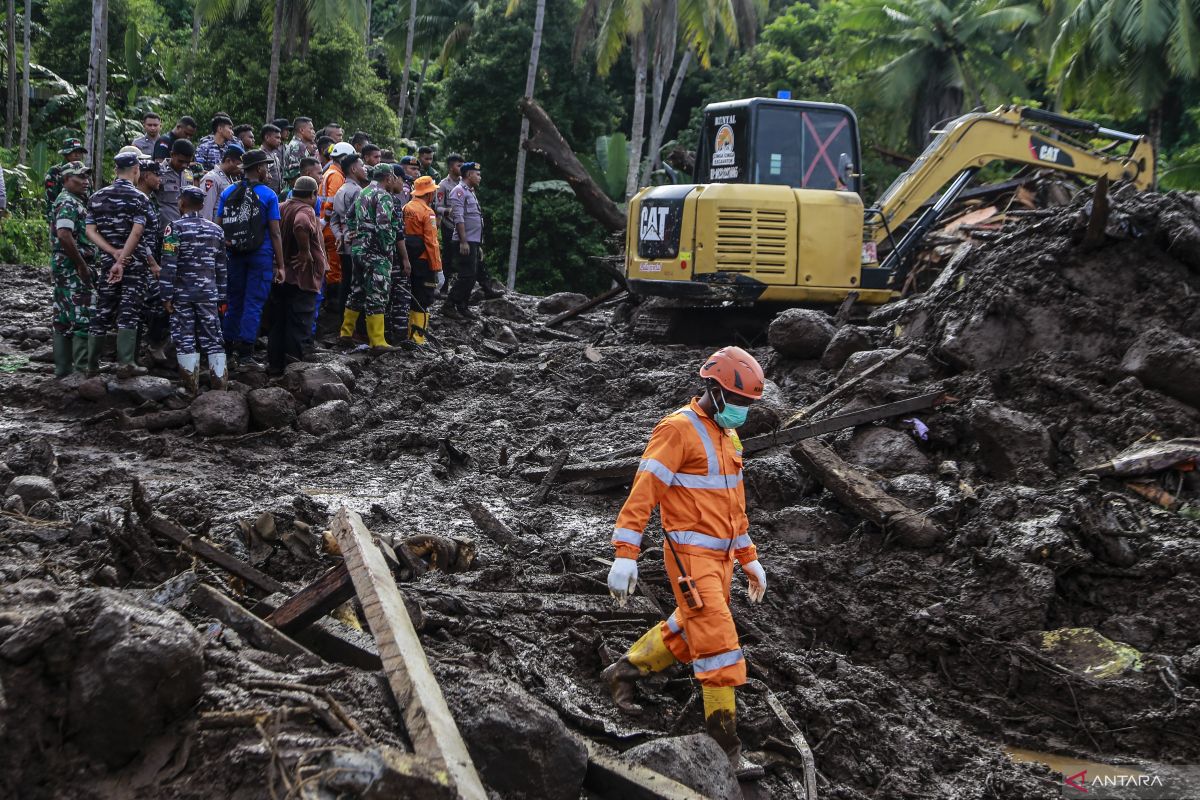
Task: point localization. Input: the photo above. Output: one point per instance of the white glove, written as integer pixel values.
(757, 577)
(441, 279)
(622, 578)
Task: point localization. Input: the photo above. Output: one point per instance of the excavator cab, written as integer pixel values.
(780, 142)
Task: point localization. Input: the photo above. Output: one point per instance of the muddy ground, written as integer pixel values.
(907, 670)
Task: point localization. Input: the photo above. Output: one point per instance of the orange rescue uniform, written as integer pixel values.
(331, 180)
(692, 470)
(421, 220)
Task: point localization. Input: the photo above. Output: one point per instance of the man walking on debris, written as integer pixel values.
(192, 282)
(692, 470)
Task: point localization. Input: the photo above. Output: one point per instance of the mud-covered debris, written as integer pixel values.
(1090, 655)
(33, 455)
(143, 388)
(696, 761)
(272, 407)
(885, 450)
(93, 389)
(1012, 445)
(31, 489)
(325, 418)
(379, 773)
(560, 301)
(1168, 362)
(848, 340)
(220, 414)
(801, 333)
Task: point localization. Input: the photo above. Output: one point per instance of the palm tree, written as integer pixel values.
(25, 85)
(292, 22)
(653, 28)
(442, 28)
(535, 49)
(408, 53)
(1126, 50)
(934, 58)
(11, 101)
(97, 96)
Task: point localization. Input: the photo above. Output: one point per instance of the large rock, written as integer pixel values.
(504, 308)
(93, 389)
(773, 481)
(909, 366)
(31, 489)
(696, 761)
(887, 451)
(138, 667)
(32, 455)
(1012, 445)
(800, 333)
(560, 301)
(808, 526)
(272, 407)
(220, 414)
(1168, 362)
(143, 388)
(307, 379)
(520, 747)
(325, 418)
(331, 391)
(848, 340)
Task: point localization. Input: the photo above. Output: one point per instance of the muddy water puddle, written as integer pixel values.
(1070, 766)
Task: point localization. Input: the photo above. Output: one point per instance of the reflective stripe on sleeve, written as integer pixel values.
(687, 480)
(674, 626)
(627, 536)
(728, 658)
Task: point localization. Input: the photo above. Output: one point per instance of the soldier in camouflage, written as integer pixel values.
(72, 150)
(116, 221)
(303, 144)
(376, 229)
(192, 283)
(71, 270)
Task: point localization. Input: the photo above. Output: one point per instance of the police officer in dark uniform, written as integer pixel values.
(116, 222)
(193, 284)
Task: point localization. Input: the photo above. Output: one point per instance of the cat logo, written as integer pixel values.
(1050, 153)
(653, 223)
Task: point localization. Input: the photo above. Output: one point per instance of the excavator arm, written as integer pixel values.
(1010, 133)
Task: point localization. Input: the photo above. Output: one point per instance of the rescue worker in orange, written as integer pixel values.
(424, 254)
(332, 179)
(692, 470)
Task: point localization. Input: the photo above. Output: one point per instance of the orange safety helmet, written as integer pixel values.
(736, 371)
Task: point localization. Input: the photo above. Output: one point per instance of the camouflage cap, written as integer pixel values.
(126, 160)
(71, 146)
(73, 168)
(381, 171)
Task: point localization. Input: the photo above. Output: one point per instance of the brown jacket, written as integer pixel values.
(303, 262)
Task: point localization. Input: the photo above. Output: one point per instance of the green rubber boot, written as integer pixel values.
(127, 340)
(79, 353)
(63, 365)
(95, 344)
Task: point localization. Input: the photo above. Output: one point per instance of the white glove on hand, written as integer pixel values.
(622, 578)
(441, 279)
(757, 577)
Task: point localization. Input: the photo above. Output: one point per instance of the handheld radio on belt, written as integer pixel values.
(687, 586)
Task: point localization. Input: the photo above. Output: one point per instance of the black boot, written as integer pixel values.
(620, 676)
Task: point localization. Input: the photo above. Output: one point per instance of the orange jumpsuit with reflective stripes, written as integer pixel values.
(331, 180)
(692, 470)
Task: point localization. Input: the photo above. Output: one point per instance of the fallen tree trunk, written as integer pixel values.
(545, 140)
(571, 313)
(862, 496)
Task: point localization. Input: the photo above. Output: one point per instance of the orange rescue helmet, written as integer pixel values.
(736, 371)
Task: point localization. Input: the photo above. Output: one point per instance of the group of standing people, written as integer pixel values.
(194, 243)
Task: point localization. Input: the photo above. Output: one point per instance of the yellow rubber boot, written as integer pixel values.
(720, 720)
(418, 321)
(650, 653)
(375, 334)
(349, 320)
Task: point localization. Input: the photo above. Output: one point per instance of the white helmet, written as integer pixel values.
(341, 149)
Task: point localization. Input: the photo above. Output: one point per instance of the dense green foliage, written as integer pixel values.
(903, 65)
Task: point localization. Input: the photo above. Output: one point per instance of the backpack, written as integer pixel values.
(242, 220)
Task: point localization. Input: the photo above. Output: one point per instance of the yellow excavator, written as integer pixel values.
(774, 214)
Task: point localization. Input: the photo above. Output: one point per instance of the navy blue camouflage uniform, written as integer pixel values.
(114, 210)
(193, 279)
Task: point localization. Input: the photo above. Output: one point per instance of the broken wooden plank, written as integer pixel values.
(170, 529)
(571, 313)
(828, 398)
(543, 491)
(256, 632)
(489, 524)
(313, 601)
(862, 496)
(796, 735)
(843, 313)
(598, 606)
(618, 468)
(837, 423)
(332, 640)
(427, 719)
(608, 776)
(1095, 236)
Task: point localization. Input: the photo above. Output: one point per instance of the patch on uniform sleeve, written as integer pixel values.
(170, 241)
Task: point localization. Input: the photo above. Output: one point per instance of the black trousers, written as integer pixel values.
(292, 311)
(467, 271)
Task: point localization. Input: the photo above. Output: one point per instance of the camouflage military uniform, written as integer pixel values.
(193, 280)
(114, 210)
(209, 153)
(72, 296)
(295, 150)
(376, 227)
(54, 185)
